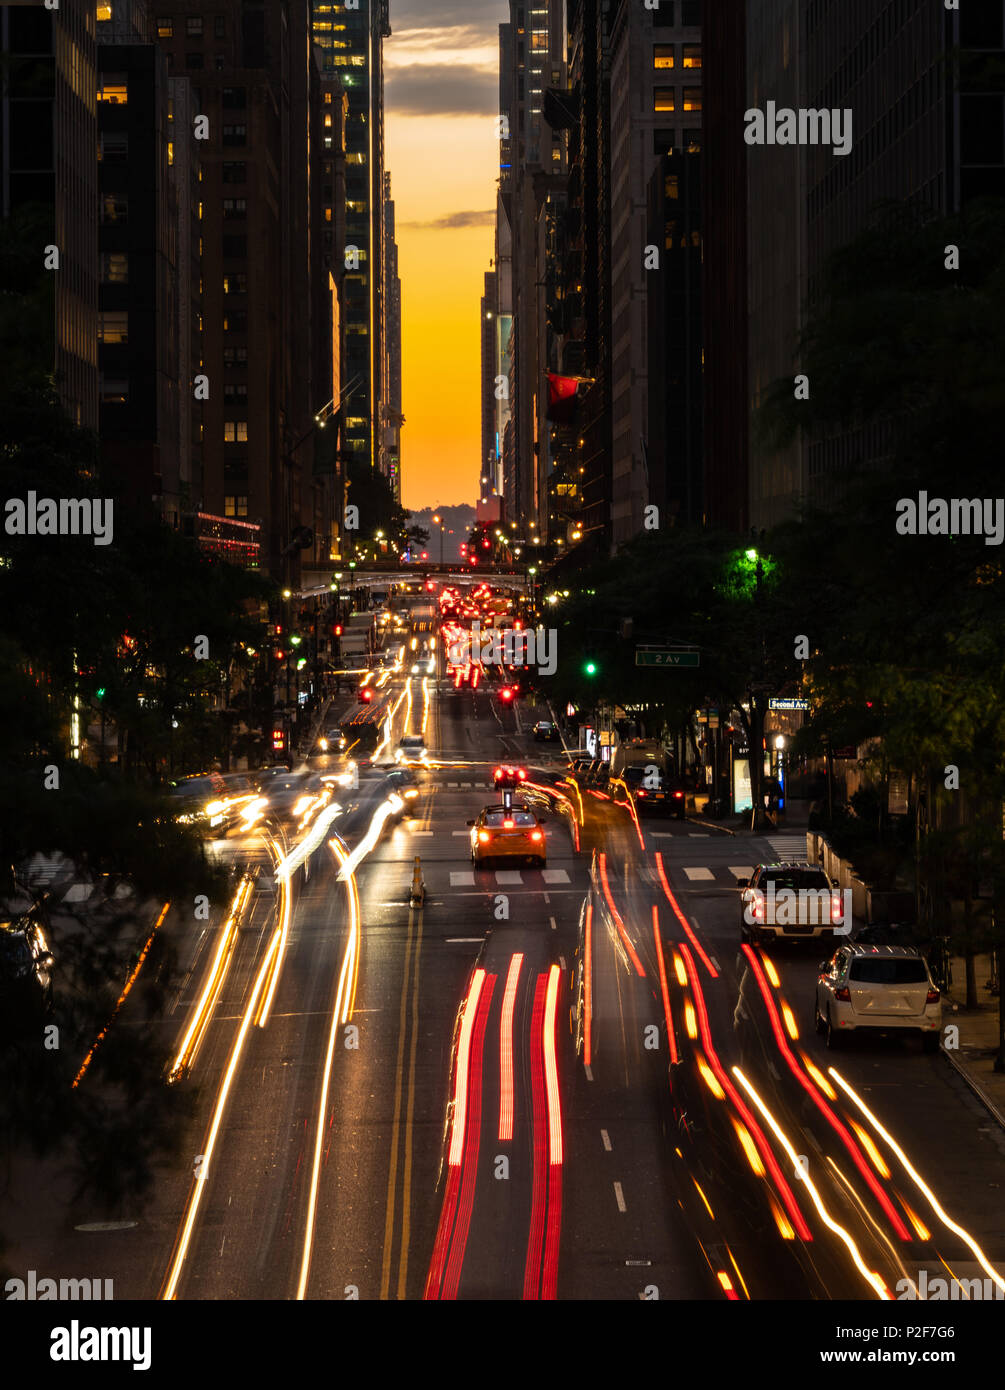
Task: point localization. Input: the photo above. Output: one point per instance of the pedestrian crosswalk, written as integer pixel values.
(468, 878)
(789, 848)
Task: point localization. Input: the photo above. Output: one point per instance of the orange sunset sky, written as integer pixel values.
(441, 74)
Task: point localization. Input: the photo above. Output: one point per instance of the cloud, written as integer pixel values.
(410, 14)
(453, 220)
(426, 89)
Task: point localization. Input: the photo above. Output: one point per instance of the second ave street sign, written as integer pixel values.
(665, 657)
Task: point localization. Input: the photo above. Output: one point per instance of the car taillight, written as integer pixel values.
(837, 907)
(641, 793)
(844, 994)
(483, 836)
(933, 996)
(498, 773)
(678, 796)
(536, 835)
(521, 773)
(508, 824)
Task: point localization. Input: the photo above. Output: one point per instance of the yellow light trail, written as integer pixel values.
(870, 1276)
(203, 1010)
(919, 1182)
(121, 999)
(340, 1014)
(199, 1183)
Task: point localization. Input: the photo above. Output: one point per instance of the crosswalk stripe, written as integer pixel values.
(509, 876)
(555, 876)
(422, 832)
(459, 832)
(697, 835)
(462, 878)
(741, 870)
(699, 873)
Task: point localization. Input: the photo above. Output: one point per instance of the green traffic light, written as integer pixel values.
(751, 554)
(590, 668)
(296, 640)
(100, 693)
(301, 663)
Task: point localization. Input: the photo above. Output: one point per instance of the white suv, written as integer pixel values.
(880, 988)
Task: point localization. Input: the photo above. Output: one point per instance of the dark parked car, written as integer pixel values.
(25, 971)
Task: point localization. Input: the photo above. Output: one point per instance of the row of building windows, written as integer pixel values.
(665, 98)
(664, 56)
(194, 26)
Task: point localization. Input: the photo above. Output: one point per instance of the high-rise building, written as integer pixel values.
(533, 171)
(392, 415)
(148, 293)
(351, 38)
(925, 109)
(257, 93)
(487, 323)
(49, 154)
(655, 125)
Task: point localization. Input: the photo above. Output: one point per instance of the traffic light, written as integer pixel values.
(590, 668)
(365, 695)
(506, 694)
(338, 629)
(486, 543)
(278, 740)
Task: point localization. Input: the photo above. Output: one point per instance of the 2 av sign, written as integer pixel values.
(666, 657)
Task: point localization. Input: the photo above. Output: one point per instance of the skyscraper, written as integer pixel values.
(352, 44)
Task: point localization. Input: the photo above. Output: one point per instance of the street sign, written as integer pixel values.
(665, 657)
(776, 703)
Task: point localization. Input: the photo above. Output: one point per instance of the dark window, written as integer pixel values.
(235, 134)
(193, 26)
(888, 970)
(981, 26)
(235, 171)
(235, 321)
(235, 207)
(235, 284)
(235, 356)
(235, 246)
(981, 129)
(690, 12)
(235, 97)
(234, 394)
(113, 147)
(220, 26)
(193, 60)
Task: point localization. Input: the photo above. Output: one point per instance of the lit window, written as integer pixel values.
(114, 268)
(663, 99)
(236, 507)
(114, 207)
(104, 11)
(113, 326)
(113, 87)
(235, 432)
(692, 55)
(663, 55)
(165, 26)
(692, 98)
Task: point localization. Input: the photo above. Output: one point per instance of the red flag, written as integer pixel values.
(564, 394)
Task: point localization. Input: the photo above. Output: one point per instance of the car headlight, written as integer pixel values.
(323, 745)
(213, 808)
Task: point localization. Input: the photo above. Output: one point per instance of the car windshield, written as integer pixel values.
(794, 879)
(14, 950)
(497, 819)
(889, 970)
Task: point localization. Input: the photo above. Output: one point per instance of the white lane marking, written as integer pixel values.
(740, 870)
(661, 835)
(698, 835)
(421, 832)
(620, 1196)
(509, 876)
(554, 924)
(462, 878)
(699, 874)
(555, 876)
(451, 784)
(606, 1139)
(466, 784)
(716, 964)
(589, 1073)
(459, 832)
(459, 941)
(561, 963)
